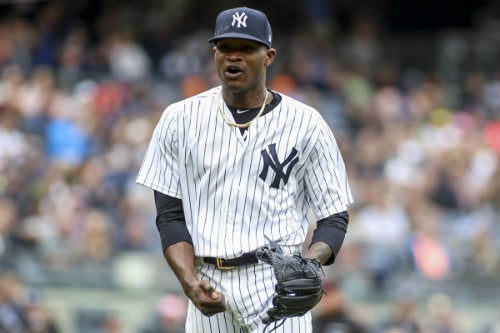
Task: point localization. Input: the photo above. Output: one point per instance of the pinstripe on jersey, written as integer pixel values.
(225, 179)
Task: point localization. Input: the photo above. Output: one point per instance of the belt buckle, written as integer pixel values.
(219, 262)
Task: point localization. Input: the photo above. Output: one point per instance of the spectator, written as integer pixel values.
(404, 317)
(441, 316)
(128, 61)
(169, 316)
(333, 314)
(20, 308)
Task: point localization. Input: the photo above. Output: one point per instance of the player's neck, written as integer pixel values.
(246, 100)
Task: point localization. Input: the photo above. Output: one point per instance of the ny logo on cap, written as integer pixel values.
(240, 20)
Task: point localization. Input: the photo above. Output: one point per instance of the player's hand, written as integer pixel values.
(206, 298)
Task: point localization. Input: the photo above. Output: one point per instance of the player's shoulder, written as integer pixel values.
(201, 98)
(189, 107)
(205, 95)
(296, 106)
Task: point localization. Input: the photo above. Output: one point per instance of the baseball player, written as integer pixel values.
(239, 168)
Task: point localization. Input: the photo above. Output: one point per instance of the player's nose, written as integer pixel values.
(234, 57)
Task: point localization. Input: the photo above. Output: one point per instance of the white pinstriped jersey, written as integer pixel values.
(239, 189)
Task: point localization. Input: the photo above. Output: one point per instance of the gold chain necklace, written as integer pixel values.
(230, 123)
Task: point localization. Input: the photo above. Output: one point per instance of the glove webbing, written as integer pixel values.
(274, 246)
(276, 325)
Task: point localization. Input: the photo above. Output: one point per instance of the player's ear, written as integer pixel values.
(270, 54)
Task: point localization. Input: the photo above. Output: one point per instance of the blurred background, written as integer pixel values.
(410, 88)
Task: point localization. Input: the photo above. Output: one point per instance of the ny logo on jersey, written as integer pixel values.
(240, 20)
(282, 170)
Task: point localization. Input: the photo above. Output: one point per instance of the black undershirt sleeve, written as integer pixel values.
(331, 230)
(170, 220)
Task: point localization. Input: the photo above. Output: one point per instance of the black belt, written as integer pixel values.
(224, 264)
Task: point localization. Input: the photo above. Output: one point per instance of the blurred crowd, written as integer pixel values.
(76, 114)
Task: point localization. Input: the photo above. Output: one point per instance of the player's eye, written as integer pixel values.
(248, 48)
(222, 48)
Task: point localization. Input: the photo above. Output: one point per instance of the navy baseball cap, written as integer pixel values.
(244, 23)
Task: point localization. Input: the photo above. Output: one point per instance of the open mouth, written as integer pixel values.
(233, 71)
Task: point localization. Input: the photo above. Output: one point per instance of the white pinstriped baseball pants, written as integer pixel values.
(248, 291)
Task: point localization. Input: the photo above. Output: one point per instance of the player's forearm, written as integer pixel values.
(320, 251)
(180, 257)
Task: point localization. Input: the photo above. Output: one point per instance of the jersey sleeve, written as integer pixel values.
(326, 178)
(159, 170)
